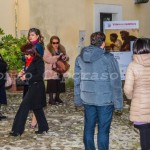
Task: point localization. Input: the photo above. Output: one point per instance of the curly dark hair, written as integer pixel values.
(31, 50)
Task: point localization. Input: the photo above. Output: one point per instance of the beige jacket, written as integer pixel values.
(137, 88)
(49, 61)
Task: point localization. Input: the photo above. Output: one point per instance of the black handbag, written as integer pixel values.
(20, 82)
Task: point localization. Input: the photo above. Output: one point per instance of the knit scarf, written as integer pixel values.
(28, 61)
(35, 42)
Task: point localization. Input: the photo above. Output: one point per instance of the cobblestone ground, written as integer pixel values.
(66, 129)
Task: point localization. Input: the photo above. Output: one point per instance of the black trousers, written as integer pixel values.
(21, 117)
(25, 90)
(3, 97)
(144, 136)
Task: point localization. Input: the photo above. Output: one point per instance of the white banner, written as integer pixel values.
(119, 38)
(121, 25)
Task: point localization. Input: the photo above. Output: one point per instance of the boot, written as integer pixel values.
(51, 100)
(14, 134)
(57, 99)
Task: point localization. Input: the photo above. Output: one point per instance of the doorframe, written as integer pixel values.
(101, 15)
(115, 10)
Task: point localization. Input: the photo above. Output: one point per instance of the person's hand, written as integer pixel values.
(21, 73)
(64, 57)
(23, 78)
(58, 56)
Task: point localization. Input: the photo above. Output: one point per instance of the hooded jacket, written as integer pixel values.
(137, 88)
(97, 79)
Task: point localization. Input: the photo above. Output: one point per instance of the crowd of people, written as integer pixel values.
(97, 86)
(38, 66)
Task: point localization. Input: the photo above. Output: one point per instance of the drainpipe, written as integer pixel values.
(16, 18)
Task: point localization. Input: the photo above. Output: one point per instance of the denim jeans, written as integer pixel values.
(103, 116)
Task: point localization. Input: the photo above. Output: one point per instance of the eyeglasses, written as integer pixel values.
(55, 43)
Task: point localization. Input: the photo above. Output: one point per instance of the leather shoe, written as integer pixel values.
(58, 100)
(41, 132)
(52, 102)
(2, 117)
(14, 134)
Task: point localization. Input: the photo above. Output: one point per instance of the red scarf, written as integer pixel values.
(35, 42)
(28, 61)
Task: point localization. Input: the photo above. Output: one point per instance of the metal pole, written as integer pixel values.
(16, 18)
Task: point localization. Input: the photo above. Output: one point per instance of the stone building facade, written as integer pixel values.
(72, 20)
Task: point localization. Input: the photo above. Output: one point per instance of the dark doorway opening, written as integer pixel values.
(104, 17)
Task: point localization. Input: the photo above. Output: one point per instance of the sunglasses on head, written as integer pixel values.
(55, 43)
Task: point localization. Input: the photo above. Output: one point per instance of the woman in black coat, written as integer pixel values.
(3, 99)
(35, 98)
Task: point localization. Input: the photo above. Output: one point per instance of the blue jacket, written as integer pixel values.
(97, 79)
(40, 49)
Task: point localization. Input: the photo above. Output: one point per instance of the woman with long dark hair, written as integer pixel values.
(55, 81)
(137, 88)
(35, 38)
(35, 98)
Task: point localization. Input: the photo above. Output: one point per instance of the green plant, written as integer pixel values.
(1, 31)
(69, 83)
(10, 50)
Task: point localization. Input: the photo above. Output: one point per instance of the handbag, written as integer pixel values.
(20, 82)
(8, 82)
(60, 67)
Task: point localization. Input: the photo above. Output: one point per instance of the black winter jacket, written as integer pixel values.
(36, 93)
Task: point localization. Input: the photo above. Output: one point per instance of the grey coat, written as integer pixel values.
(97, 79)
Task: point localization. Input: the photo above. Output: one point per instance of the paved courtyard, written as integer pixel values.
(66, 129)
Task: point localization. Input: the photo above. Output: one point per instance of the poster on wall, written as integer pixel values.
(119, 40)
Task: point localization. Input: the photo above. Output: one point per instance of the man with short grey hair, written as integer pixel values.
(97, 86)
